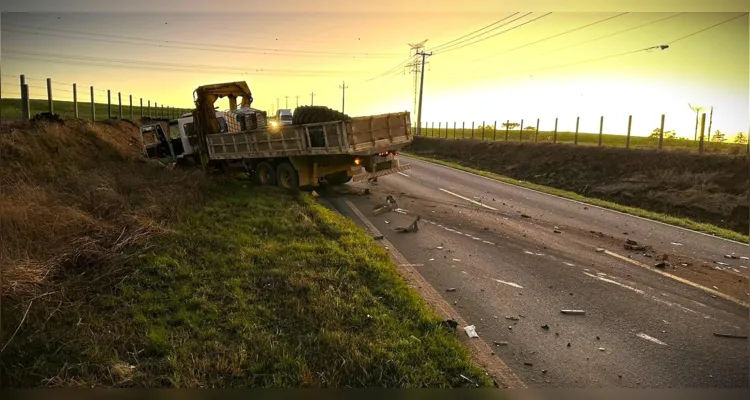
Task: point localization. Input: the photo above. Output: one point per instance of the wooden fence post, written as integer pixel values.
(161, 115)
(536, 132)
(93, 105)
(494, 132)
(446, 130)
(109, 104)
(630, 124)
(463, 130)
(25, 103)
(454, 129)
(601, 130)
(575, 138)
(50, 105)
(119, 103)
(25, 112)
(483, 131)
(554, 135)
(141, 107)
(472, 130)
(440, 128)
(149, 109)
(507, 130)
(701, 144)
(75, 101)
(661, 133)
(130, 97)
(520, 132)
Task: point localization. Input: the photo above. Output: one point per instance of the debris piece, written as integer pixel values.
(496, 343)
(585, 208)
(525, 216)
(635, 247)
(676, 244)
(556, 231)
(471, 331)
(601, 349)
(315, 194)
(528, 364)
(744, 258)
(467, 378)
(439, 247)
(389, 205)
(568, 344)
(729, 335)
(366, 191)
(721, 263)
(573, 312)
(510, 328)
(661, 265)
(557, 333)
(731, 256)
(456, 260)
(450, 324)
(545, 327)
(450, 289)
(597, 338)
(411, 228)
(599, 250)
(378, 237)
(512, 318)
(544, 371)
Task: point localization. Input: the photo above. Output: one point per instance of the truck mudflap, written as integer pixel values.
(361, 177)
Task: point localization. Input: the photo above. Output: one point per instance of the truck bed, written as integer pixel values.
(358, 136)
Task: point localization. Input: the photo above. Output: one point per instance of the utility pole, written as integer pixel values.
(297, 98)
(415, 70)
(343, 95)
(312, 97)
(421, 90)
(286, 101)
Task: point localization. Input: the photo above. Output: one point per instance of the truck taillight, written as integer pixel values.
(356, 161)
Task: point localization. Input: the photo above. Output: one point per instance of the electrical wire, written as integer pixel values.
(468, 40)
(203, 46)
(705, 29)
(610, 35)
(14, 53)
(490, 37)
(471, 33)
(553, 36)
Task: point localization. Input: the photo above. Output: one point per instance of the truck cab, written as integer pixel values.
(181, 141)
(284, 117)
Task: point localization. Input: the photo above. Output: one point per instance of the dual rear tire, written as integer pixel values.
(283, 175)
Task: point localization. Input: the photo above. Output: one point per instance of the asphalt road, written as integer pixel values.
(516, 258)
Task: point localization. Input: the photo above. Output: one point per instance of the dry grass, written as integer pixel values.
(78, 203)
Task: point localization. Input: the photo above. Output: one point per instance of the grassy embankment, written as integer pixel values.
(118, 272)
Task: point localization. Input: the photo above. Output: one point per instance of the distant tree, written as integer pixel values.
(740, 138)
(512, 125)
(667, 134)
(670, 135)
(655, 133)
(529, 128)
(718, 137)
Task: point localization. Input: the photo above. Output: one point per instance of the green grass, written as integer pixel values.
(681, 222)
(256, 289)
(11, 108)
(584, 139)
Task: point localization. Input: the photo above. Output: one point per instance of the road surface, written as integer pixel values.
(516, 258)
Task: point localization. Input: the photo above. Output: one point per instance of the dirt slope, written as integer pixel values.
(710, 188)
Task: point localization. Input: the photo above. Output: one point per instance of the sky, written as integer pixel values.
(495, 74)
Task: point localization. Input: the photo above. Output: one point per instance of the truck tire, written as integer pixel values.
(265, 174)
(286, 176)
(338, 178)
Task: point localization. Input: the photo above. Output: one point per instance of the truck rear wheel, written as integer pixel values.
(286, 176)
(338, 178)
(265, 174)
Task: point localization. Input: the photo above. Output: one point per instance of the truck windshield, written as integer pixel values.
(286, 117)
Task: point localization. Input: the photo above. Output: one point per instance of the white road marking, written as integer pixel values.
(650, 339)
(615, 283)
(468, 199)
(401, 173)
(508, 283)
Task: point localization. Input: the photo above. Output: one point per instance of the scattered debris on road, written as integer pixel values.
(525, 216)
(599, 250)
(601, 349)
(568, 344)
(545, 327)
(573, 312)
(471, 331)
(544, 371)
(512, 318)
(731, 257)
(450, 289)
(661, 265)
(411, 228)
(439, 247)
(597, 338)
(496, 343)
(450, 324)
(744, 258)
(389, 205)
(634, 246)
(528, 364)
(729, 335)
(556, 231)
(677, 244)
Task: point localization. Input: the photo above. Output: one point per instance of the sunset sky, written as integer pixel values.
(165, 56)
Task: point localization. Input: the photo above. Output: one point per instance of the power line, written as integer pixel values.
(467, 40)
(471, 33)
(490, 37)
(151, 65)
(705, 29)
(389, 71)
(192, 45)
(553, 36)
(611, 34)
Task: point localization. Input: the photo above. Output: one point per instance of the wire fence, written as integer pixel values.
(529, 132)
(28, 96)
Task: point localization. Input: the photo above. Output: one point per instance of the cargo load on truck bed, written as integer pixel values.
(357, 136)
